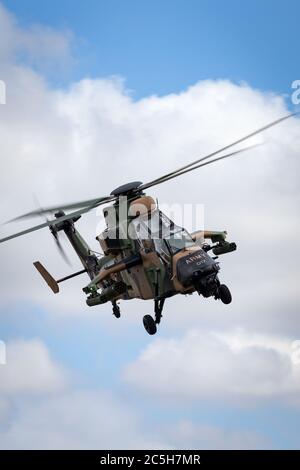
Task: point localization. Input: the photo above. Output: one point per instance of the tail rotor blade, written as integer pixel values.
(53, 230)
(60, 247)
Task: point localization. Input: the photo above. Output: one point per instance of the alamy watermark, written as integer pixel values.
(143, 219)
(2, 353)
(295, 356)
(2, 92)
(296, 94)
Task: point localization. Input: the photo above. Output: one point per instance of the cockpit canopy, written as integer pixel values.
(167, 237)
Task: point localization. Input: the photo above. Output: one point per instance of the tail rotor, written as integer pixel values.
(53, 229)
(59, 246)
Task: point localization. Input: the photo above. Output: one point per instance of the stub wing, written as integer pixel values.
(221, 247)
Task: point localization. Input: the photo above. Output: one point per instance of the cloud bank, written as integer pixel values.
(41, 407)
(240, 368)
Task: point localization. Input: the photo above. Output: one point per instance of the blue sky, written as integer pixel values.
(165, 46)
(159, 48)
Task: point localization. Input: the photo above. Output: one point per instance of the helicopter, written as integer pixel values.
(145, 255)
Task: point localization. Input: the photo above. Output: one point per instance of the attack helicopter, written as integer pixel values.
(145, 254)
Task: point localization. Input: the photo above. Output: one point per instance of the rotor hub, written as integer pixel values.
(126, 189)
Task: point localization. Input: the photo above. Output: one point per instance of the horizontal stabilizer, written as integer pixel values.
(47, 277)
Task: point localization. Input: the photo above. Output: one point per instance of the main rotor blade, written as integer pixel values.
(76, 205)
(189, 165)
(232, 154)
(24, 232)
(50, 223)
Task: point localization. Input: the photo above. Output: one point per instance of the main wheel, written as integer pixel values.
(225, 294)
(116, 310)
(149, 324)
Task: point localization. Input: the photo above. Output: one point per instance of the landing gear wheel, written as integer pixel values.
(224, 294)
(116, 310)
(149, 324)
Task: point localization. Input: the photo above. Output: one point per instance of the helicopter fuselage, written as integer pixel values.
(147, 256)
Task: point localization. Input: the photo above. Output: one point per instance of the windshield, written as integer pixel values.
(180, 240)
(167, 236)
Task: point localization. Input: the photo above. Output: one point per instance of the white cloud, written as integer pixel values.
(240, 368)
(95, 419)
(42, 408)
(186, 435)
(29, 369)
(39, 45)
(32, 416)
(77, 420)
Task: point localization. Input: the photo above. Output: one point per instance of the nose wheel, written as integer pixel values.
(224, 294)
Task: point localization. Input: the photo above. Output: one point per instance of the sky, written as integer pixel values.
(100, 92)
(164, 47)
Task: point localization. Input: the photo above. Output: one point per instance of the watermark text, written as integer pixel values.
(295, 356)
(2, 353)
(296, 93)
(2, 92)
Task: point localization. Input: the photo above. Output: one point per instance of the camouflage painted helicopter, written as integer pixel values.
(145, 254)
